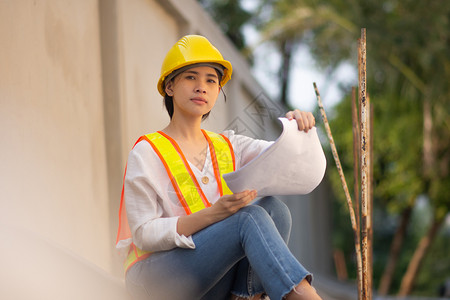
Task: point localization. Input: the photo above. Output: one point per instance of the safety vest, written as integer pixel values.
(182, 178)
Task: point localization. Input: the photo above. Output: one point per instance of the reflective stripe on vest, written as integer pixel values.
(182, 178)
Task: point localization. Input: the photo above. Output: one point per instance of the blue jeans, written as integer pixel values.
(245, 254)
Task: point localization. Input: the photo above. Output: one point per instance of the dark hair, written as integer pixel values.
(168, 100)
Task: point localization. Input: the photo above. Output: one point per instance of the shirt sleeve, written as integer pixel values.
(151, 226)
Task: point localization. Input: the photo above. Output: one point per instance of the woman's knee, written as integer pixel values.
(255, 211)
(275, 207)
(280, 214)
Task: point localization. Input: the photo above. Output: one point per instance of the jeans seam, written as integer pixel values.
(249, 280)
(269, 248)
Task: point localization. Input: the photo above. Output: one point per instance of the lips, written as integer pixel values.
(199, 100)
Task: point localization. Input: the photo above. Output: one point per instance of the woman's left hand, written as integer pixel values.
(305, 120)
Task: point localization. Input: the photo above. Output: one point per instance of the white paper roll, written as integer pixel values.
(295, 164)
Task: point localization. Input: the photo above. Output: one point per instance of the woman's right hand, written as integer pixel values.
(223, 208)
(229, 204)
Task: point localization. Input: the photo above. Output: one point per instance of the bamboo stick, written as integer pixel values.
(365, 162)
(344, 184)
(360, 283)
(356, 159)
(356, 155)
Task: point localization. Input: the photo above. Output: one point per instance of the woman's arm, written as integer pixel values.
(223, 208)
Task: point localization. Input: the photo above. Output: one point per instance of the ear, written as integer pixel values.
(169, 88)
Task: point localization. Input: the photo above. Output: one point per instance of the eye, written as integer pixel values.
(212, 80)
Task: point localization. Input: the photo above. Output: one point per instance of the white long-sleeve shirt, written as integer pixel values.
(152, 205)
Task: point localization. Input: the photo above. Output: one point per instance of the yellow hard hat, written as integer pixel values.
(192, 49)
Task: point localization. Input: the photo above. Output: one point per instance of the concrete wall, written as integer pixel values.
(77, 88)
(53, 178)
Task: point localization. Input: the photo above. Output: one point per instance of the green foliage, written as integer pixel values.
(230, 16)
(407, 64)
(402, 74)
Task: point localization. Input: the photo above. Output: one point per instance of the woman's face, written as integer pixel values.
(194, 91)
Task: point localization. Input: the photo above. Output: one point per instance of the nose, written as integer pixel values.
(200, 88)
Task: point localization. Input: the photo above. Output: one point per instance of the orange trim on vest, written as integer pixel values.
(138, 257)
(171, 177)
(188, 168)
(122, 215)
(231, 150)
(214, 163)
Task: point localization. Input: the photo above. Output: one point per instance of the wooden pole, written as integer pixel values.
(356, 154)
(344, 186)
(356, 159)
(365, 163)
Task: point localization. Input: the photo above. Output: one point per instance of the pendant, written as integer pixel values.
(205, 179)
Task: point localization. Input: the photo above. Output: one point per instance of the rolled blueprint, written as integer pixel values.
(294, 165)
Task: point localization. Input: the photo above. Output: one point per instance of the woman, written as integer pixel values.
(188, 235)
